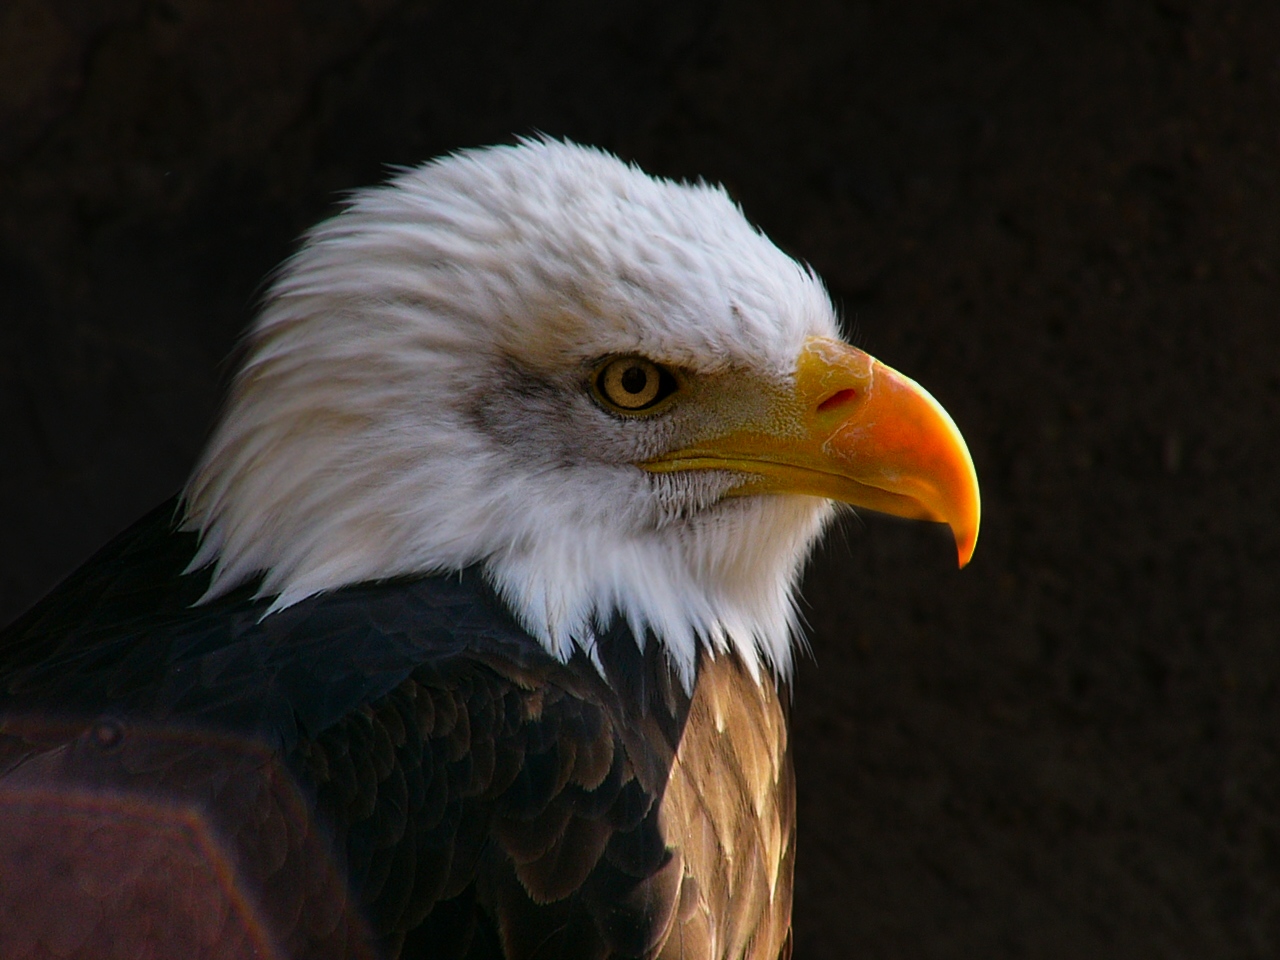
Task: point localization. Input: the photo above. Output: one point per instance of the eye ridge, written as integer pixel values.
(633, 384)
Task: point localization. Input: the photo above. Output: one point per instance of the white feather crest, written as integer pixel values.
(411, 402)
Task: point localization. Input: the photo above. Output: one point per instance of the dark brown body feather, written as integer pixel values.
(391, 770)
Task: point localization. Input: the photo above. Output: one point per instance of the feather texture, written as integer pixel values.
(394, 769)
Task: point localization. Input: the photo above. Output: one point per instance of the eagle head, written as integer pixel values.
(609, 391)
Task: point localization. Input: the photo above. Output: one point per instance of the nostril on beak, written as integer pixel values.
(838, 399)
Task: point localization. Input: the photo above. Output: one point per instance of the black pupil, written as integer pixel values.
(634, 379)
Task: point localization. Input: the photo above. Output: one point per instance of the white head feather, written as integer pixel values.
(413, 401)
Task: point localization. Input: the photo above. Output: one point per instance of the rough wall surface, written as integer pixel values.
(1061, 216)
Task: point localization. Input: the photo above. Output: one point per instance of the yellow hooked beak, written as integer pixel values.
(854, 430)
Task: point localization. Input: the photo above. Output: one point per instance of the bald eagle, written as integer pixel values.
(471, 633)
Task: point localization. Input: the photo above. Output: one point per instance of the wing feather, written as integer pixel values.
(392, 769)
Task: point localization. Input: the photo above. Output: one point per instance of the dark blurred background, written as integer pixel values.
(1062, 217)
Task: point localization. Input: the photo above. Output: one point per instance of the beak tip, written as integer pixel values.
(966, 541)
(966, 516)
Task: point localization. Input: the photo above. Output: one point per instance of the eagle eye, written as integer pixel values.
(633, 384)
